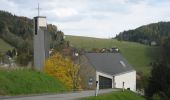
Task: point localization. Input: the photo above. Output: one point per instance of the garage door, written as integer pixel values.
(105, 83)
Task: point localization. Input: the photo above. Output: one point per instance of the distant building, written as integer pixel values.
(41, 44)
(109, 70)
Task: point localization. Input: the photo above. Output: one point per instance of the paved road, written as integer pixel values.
(65, 96)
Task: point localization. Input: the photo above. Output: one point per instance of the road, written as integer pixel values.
(64, 96)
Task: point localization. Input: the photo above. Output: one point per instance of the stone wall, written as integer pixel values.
(87, 73)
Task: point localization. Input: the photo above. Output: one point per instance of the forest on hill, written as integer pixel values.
(18, 32)
(146, 34)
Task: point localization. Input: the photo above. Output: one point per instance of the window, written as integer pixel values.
(122, 63)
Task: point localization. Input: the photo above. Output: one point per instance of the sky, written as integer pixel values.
(93, 18)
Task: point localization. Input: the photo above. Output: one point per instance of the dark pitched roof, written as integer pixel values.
(110, 63)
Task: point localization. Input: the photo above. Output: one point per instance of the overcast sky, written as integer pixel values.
(94, 18)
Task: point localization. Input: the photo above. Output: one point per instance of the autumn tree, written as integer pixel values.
(63, 69)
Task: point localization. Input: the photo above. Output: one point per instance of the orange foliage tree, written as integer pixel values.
(64, 70)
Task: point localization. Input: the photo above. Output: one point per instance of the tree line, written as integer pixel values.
(146, 34)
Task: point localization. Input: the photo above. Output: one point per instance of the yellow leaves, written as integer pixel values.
(63, 69)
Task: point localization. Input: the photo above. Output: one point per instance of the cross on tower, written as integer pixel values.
(38, 8)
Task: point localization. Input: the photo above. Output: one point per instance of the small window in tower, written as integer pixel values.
(35, 26)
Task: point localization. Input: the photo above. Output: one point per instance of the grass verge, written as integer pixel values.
(127, 95)
(17, 82)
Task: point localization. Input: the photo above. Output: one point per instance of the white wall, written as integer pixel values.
(129, 79)
(39, 50)
(42, 22)
(104, 75)
(39, 44)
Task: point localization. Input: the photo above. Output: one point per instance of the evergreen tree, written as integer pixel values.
(159, 82)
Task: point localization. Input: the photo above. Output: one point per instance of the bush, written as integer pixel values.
(159, 96)
(64, 70)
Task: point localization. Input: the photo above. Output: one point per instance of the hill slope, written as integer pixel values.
(140, 56)
(4, 46)
(14, 82)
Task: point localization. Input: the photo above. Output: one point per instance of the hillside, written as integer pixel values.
(140, 56)
(19, 28)
(4, 47)
(127, 95)
(147, 33)
(14, 82)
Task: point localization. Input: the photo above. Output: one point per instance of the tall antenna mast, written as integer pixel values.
(38, 9)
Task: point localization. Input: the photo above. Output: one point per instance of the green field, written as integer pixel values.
(4, 46)
(138, 55)
(127, 95)
(14, 82)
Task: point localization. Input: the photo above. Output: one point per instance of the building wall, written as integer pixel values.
(86, 72)
(39, 51)
(46, 43)
(129, 80)
(42, 22)
(41, 45)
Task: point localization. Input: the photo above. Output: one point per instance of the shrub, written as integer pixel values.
(64, 70)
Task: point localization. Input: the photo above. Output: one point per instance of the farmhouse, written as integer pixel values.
(106, 70)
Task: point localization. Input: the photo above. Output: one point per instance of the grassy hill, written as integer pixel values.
(138, 55)
(14, 82)
(4, 46)
(127, 95)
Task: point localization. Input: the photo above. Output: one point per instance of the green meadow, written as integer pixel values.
(4, 46)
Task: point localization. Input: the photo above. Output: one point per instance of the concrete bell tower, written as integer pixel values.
(40, 43)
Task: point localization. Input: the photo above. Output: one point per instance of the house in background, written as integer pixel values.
(106, 70)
